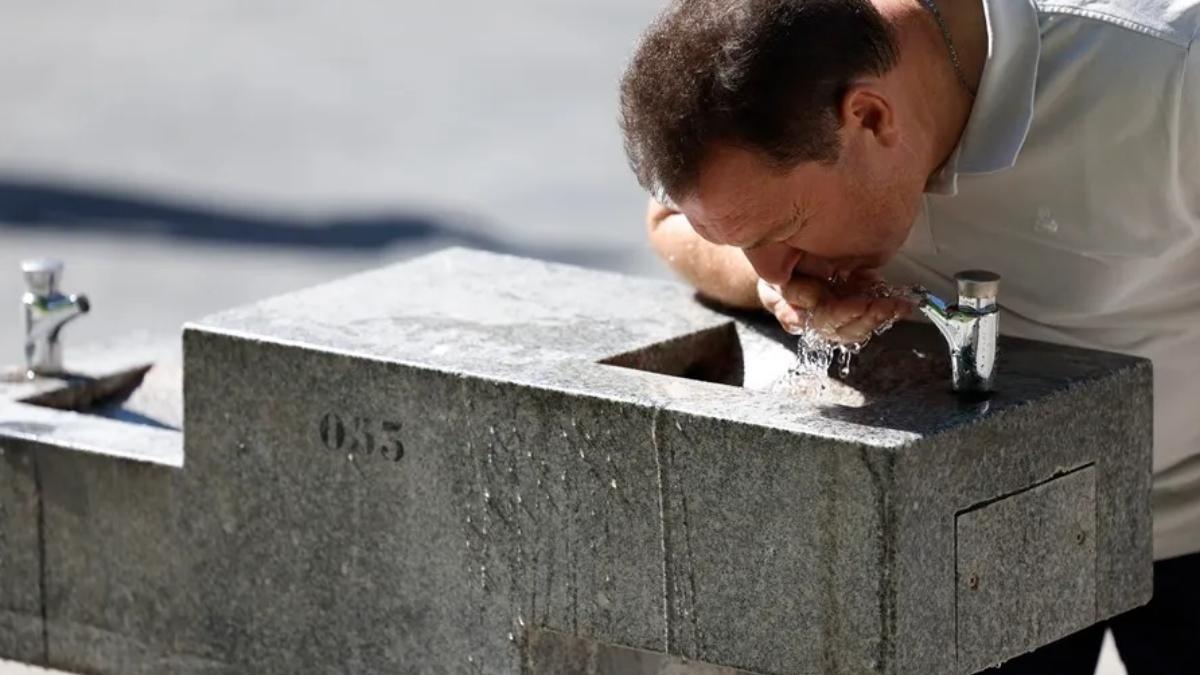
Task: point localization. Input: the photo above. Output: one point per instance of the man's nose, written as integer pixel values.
(774, 263)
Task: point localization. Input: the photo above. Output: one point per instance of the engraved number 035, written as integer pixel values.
(361, 435)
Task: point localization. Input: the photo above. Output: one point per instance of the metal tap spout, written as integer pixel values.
(970, 328)
(46, 311)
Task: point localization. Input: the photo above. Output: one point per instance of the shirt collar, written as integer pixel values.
(1003, 109)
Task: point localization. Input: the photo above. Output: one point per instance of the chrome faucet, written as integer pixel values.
(46, 312)
(970, 327)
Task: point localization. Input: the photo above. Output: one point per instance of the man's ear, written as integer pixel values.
(865, 107)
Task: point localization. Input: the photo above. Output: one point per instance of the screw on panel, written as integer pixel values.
(1080, 537)
(973, 582)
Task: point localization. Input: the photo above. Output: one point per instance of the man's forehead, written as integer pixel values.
(739, 223)
(724, 226)
(738, 200)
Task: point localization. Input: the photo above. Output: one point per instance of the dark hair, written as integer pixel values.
(765, 75)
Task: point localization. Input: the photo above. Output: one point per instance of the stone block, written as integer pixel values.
(21, 635)
(39, 420)
(555, 653)
(432, 467)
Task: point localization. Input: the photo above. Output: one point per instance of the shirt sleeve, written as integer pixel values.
(1187, 133)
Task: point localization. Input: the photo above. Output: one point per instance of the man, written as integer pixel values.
(790, 143)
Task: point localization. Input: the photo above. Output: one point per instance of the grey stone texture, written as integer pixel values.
(1056, 521)
(554, 653)
(430, 467)
(41, 414)
(20, 557)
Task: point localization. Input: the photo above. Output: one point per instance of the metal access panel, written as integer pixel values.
(1008, 550)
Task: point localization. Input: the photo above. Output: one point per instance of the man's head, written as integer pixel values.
(776, 126)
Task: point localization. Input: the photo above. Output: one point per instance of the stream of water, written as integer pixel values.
(816, 354)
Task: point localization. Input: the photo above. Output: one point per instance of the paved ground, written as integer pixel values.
(186, 157)
(167, 151)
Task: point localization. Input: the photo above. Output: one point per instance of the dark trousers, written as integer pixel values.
(1162, 638)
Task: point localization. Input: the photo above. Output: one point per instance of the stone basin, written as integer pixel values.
(122, 398)
(472, 463)
(751, 353)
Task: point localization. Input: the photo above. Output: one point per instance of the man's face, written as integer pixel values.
(814, 219)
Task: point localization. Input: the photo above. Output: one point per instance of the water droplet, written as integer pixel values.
(487, 495)
(512, 638)
(519, 500)
(1045, 221)
(613, 483)
(844, 356)
(521, 621)
(492, 430)
(581, 454)
(678, 426)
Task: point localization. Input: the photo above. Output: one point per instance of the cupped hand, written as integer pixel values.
(846, 311)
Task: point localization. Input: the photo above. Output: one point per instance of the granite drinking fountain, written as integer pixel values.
(474, 463)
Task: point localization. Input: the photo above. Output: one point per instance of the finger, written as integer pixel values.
(833, 314)
(793, 320)
(855, 332)
(768, 294)
(864, 326)
(882, 311)
(845, 310)
(893, 309)
(790, 318)
(804, 292)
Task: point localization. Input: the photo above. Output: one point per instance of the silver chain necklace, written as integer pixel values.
(937, 16)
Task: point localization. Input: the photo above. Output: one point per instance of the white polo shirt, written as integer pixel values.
(1078, 180)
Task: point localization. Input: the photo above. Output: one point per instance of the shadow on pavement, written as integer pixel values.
(50, 206)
